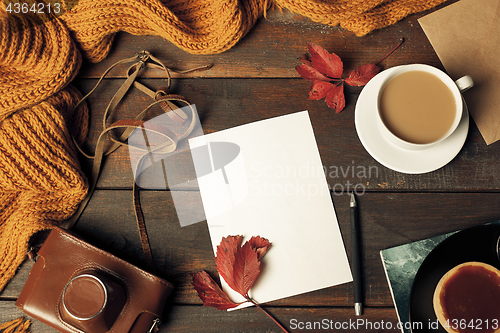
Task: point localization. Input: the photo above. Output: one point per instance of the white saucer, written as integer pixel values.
(392, 156)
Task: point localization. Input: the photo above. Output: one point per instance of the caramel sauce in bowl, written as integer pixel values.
(467, 299)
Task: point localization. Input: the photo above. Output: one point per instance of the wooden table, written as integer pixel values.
(256, 80)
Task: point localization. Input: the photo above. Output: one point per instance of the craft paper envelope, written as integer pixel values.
(466, 37)
(276, 188)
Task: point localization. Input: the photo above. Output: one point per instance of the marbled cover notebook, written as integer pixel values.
(401, 264)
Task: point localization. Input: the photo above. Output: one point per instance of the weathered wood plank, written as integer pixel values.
(226, 103)
(191, 319)
(387, 219)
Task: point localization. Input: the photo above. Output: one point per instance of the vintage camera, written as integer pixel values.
(76, 287)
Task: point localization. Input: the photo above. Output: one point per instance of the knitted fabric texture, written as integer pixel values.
(41, 183)
(19, 325)
(208, 27)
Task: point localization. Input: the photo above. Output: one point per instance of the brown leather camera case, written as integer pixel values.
(72, 277)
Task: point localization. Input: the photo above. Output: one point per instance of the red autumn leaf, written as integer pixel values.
(238, 265)
(310, 73)
(259, 244)
(242, 267)
(246, 269)
(335, 98)
(326, 63)
(362, 75)
(210, 292)
(226, 256)
(319, 89)
(326, 67)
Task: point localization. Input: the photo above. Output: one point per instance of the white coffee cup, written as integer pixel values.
(456, 88)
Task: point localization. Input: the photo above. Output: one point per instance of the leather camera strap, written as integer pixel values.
(161, 97)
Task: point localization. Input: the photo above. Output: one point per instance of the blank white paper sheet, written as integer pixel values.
(269, 182)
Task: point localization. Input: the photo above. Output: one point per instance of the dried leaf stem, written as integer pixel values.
(248, 298)
(391, 51)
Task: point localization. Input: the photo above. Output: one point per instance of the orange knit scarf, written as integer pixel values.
(41, 183)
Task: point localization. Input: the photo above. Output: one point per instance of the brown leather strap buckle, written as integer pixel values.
(155, 326)
(143, 57)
